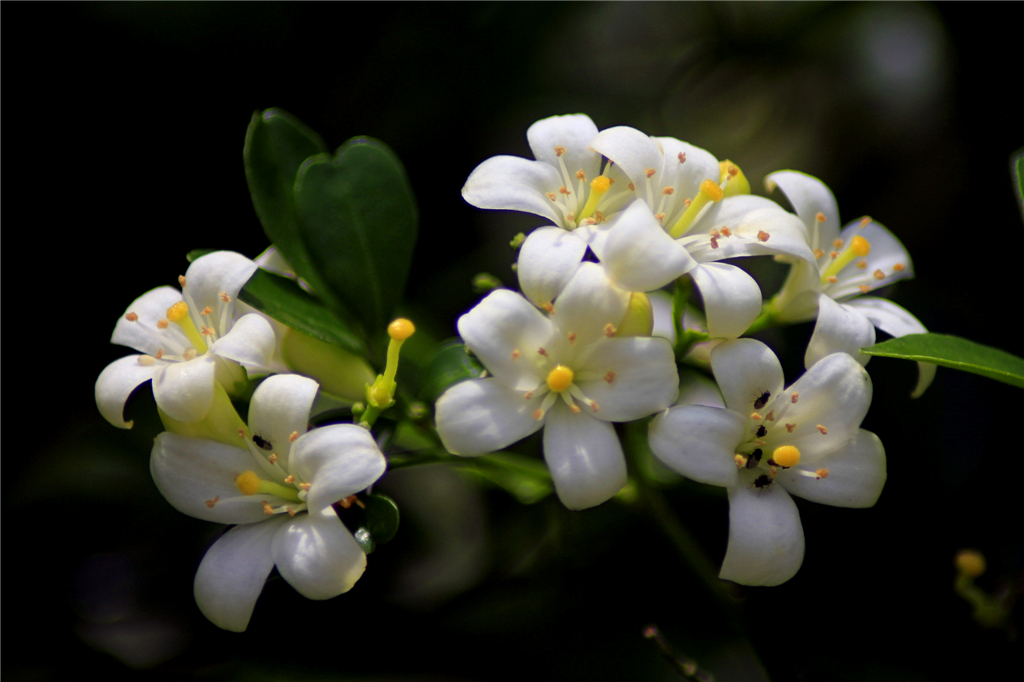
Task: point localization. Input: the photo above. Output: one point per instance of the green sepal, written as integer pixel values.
(284, 300)
(525, 478)
(449, 365)
(358, 221)
(956, 353)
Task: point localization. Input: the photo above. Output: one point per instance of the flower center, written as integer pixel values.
(196, 329)
(760, 450)
(560, 378)
(275, 479)
(582, 201)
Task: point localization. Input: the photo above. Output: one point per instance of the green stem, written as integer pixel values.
(765, 320)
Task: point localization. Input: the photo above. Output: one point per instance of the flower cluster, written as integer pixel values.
(588, 343)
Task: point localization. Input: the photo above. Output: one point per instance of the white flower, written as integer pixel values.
(768, 442)
(278, 486)
(704, 206)
(863, 257)
(567, 372)
(189, 340)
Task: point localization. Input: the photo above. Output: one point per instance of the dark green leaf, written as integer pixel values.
(449, 365)
(276, 144)
(1017, 169)
(381, 517)
(284, 300)
(358, 222)
(954, 352)
(198, 253)
(525, 478)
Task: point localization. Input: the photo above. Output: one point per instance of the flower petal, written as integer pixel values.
(584, 456)
(886, 255)
(197, 476)
(501, 324)
(697, 389)
(661, 306)
(634, 152)
(233, 572)
(317, 555)
(766, 540)
(184, 390)
(639, 255)
(839, 329)
(280, 406)
(339, 460)
(574, 132)
(856, 474)
(250, 342)
(732, 299)
(143, 334)
(896, 321)
(547, 261)
(744, 370)
(758, 227)
(483, 415)
(514, 184)
(809, 196)
(636, 376)
(588, 304)
(699, 442)
(115, 385)
(684, 177)
(216, 273)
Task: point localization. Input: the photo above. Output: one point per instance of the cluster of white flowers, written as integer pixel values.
(277, 482)
(587, 343)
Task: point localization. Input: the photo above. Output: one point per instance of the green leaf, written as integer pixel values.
(381, 517)
(195, 254)
(276, 144)
(284, 300)
(1017, 170)
(954, 352)
(358, 221)
(527, 479)
(449, 365)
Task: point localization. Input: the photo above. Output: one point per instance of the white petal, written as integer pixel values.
(639, 255)
(584, 457)
(886, 254)
(317, 555)
(588, 304)
(280, 406)
(697, 389)
(514, 184)
(699, 442)
(116, 383)
(856, 474)
(184, 390)
(483, 415)
(744, 370)
(339, 460)
(809, 196)
(684, 178)
(233, 572)
(766, 540)
(547, 261)
(634, 152)
(758, 227)
(501, 325)
(839, 329)
(250, 342)
(143, 334)
(732, 299)
(643, 377)
(216, 273)
(896, 321)
(197, 476)
(574, 132)
(661, 305)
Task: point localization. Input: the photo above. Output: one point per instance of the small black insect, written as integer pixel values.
(761, 431)
(762, 482)
(262, 444)
(754, 459)
(762, 400)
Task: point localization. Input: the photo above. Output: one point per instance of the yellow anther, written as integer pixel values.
(818, 253)
(770, 416)
(610, 330)
(831, 279)
(726, 232)
(970, 562)
(709, 192)
(181, 281)
(159, 353)
(730, 173)
(563, 190)
(273, 458)
(574, 408)
(755, 416)
(609, 377)
(560, 378)
(598, 186)
(790, 427)
(786, 456)
(131, 317)
(795, 397)
(516, 354)
(865, 221)
(289, 479)
(821, 473)
(858, 248)
(305, 486)
(206, 311)
(862, 264)
(741, 461)
(550, 195)
(649, 172)
(401, 329)
(162, 323)
(559, 150)
(211, 503)
(668, 191)
(177, 311)
(898, 267)
(820, 217)
(762, 236)
(632, 187)
(864, 288)
(538, 414)
(248, 483)
(572, 338)
(824, 431)
(878, 274)
(580, 175)
(224, 297)
(839, 243)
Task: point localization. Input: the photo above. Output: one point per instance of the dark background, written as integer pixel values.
(123, 127)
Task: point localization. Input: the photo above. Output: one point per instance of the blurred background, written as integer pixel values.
(123, 131)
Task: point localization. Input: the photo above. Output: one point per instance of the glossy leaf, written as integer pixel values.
(450, 365)
(358, 222)
(284, 300)
(381, 517)
(1017, 170)
(956, 353)
(276, 145)
(525, 478)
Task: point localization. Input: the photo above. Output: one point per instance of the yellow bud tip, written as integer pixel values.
(401, 329)
(600, 184)
(560, 378)
(860, 246)
(248, 483)
(786, 456)
(177, 311)
(710, 188)
(970, 562)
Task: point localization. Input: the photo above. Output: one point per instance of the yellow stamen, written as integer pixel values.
(970, 562)
(858, 248)
(709, 192)
(178, 314)
(248, 483)
(598, 186)
(786, 456)
(560, 378)
(741, 461)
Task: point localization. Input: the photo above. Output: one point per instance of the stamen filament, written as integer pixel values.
(709, 192)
